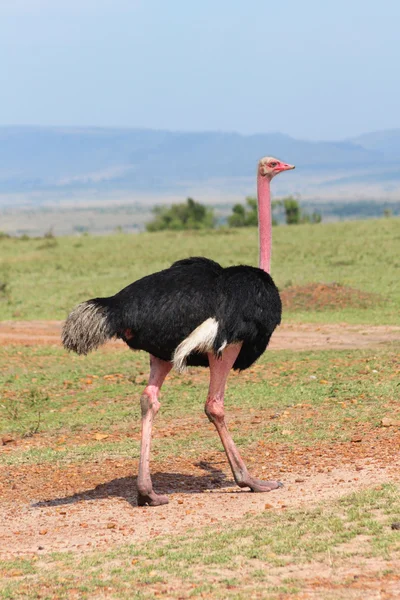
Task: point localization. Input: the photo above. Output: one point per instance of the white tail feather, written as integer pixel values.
(200, 340)
(87, 327)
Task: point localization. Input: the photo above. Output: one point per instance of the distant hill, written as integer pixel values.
(42, 164)
(387, 143)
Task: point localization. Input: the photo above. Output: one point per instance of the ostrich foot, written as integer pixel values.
(151, 499)
(256, 485)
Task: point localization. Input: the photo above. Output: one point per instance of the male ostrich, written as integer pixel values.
(195, 313)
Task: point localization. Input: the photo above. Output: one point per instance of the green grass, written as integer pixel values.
(45, 280)
(288, 397)
(245, 560)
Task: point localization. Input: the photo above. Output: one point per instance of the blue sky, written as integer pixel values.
(314, 69)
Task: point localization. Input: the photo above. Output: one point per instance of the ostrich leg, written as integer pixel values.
(150, 405)
(214, 408)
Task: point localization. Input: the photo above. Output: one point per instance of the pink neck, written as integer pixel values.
(264, 222)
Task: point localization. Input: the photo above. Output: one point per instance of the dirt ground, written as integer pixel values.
(86, 506)
(82, 507)
(287, 337)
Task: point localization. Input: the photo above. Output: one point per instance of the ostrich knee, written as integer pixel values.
(149, 403)
(214, 409)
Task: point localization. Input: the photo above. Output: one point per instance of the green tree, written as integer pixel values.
(244, 216)
(292, 210)
(238, 216)
(316, 217)
(293, 213)
(188, 215)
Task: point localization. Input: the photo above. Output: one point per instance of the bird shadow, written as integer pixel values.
(164, 483)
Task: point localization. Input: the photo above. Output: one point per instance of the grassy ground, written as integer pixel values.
(44, 278)
(246, 560)
(288, 396)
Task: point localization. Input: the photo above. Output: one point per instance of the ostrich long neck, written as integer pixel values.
(264, 222)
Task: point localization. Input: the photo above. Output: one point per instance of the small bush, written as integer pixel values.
(178, 217)
(4, 283)
(50, 240)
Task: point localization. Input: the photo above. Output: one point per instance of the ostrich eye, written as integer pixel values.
(273, 164)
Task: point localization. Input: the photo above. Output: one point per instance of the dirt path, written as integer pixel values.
(84, 506)
(101, 515)
(309, 336)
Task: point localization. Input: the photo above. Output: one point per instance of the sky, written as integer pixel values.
(312, 69)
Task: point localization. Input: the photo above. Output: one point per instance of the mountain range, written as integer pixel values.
(40, 165)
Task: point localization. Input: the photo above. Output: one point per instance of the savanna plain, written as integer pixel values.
(319, 412)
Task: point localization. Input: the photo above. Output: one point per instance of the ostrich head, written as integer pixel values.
(269, 167)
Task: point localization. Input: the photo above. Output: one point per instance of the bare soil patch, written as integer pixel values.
(84, 506)
(106, 514)
(322, 296)
(289, 336)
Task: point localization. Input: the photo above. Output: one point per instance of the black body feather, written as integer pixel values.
(156, 313)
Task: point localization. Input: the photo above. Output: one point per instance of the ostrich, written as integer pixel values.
(194, 313)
